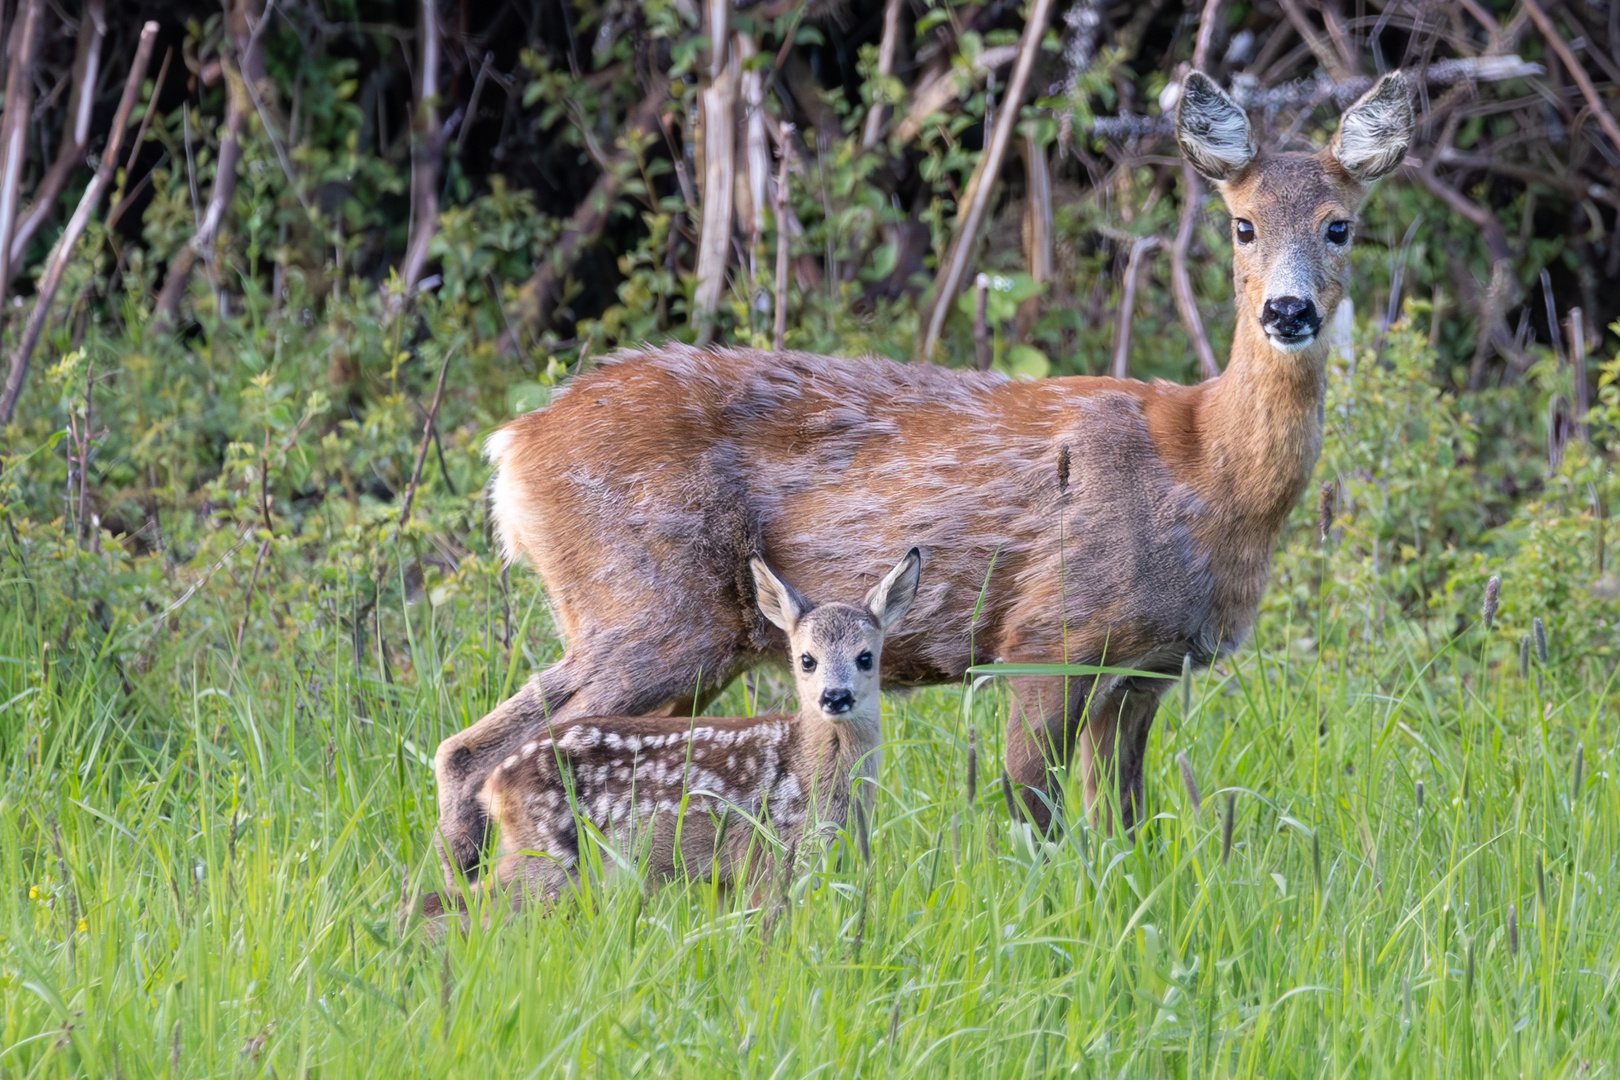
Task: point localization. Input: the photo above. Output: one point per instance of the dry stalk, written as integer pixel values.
(422, 448)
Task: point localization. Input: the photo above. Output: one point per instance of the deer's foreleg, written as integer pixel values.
(1107, 723)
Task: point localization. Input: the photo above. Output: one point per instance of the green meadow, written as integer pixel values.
(1392, 849)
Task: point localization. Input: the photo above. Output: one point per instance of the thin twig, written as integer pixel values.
(1127, 304)
(151, 110)
(1603, 111)
(422, 449)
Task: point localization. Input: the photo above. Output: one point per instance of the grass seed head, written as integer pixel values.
(1227, 820)
(1418, 793)
(1493, 593)
(1189, 782)
(1524, 657)
(1513, 930)
(1324, 513)
(1580, 762)
(972, 764)
(1541, 640)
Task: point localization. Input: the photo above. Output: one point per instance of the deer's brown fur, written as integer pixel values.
(1104, 520)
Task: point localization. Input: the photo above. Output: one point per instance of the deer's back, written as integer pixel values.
(666, 469)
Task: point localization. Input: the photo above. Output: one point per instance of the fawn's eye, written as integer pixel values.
(807, 662)
(864, 661)
(1339, 232)
(1244, 229)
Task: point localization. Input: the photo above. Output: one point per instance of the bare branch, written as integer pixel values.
(719, 154)
(1604, 111)
(249, 65)
(539, 295)
(23, 53)
(75, 131)
(426, 146)
(887, 49)
(52, 277)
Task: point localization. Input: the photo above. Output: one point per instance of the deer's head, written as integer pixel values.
(835, 650)
(1293, 214)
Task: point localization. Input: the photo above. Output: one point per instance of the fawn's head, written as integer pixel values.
(836, 650)
(1293, 214)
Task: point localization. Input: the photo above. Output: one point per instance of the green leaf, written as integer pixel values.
(525, 397)
(1027, 362)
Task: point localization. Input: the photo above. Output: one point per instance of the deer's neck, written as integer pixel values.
(847, 744)
(1262, 425)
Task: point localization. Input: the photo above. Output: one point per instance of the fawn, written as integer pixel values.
(685, 793)
(1075, 519)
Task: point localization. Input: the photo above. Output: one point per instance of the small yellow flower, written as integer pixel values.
(83, 926)
(33, 893)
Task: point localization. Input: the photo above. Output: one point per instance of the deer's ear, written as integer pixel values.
(892, 597)
(778, 601)
(1375, 132)
(1213, 132)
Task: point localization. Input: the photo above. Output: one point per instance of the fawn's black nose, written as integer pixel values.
(1290, 317)
(837, 701)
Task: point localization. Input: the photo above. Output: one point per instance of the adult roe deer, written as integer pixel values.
(683, 794)
(1125, 520)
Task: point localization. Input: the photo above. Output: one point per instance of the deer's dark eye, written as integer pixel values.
(1244, 230)
(1339, 232)
(864, 661)
(807, 662)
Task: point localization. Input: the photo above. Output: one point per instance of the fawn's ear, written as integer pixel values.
(891, 598)
(778, 601)
(1374, 132)
(1213, 132)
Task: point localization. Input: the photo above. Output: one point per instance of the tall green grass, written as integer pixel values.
(204, 870)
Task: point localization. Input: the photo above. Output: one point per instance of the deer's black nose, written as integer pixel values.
(837, 701)
(1289, 316)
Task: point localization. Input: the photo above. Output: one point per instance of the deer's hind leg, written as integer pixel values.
(528, 797)
(601, 674)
